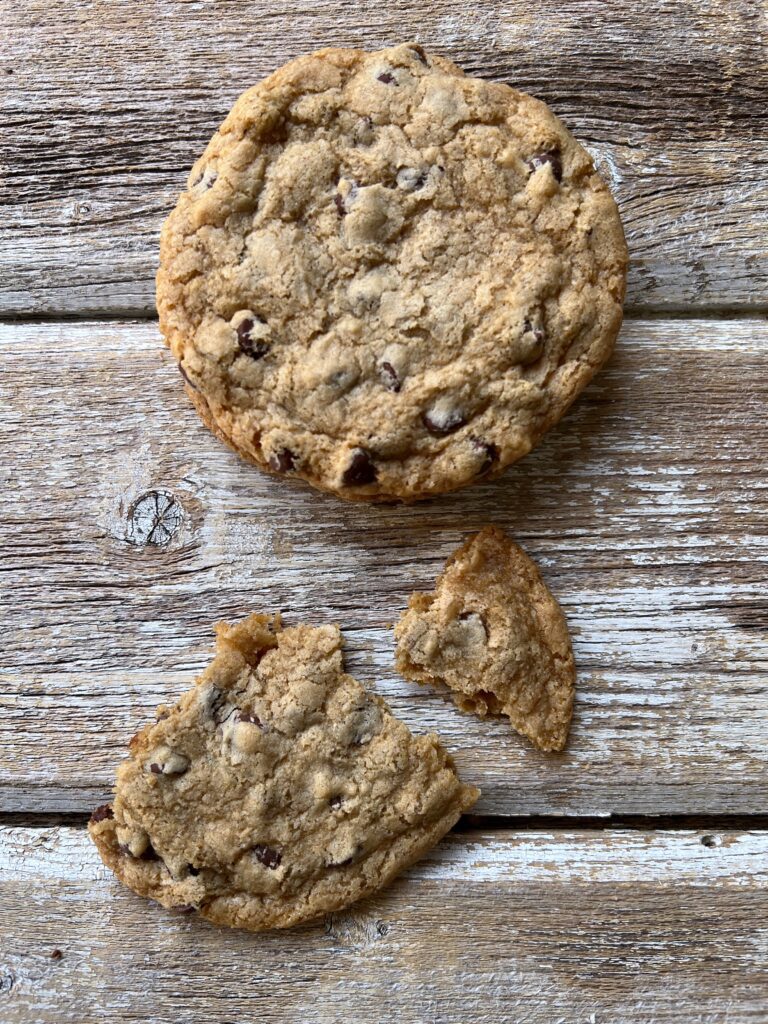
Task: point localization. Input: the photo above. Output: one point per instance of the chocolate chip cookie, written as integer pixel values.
(495, 636)
(387, 278)
(277, 789)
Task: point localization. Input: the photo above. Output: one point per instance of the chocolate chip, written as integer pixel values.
(186, 377)
(363, 131)
(387, 78)
(367, 723)
(149, 854)
(552, 157)
(360, 470)
(206, 178)
(267, 856)
(476, 624)
(169, 763)
(335, 802)
(389, 377)
(536, 337)
(102, 813)
(489, 452)
(420, 55)
(411, 179)
(246, 716)
(344, 202)
(213, 700)
(282, 461)
(256, 348)
(347, 860)
(441, 420)
(341, 863)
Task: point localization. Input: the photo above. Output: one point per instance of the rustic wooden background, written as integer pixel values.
(622, 882)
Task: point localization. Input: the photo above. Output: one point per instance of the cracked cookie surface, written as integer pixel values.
(388, 278)
(496, 637)
(277, 789)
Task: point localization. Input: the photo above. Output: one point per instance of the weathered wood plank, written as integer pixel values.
(99, 135)
(568, 928)
(646, 510)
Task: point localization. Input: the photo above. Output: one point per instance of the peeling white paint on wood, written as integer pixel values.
(670, 101)
(646, 509)
(686, 857)
(567, 928)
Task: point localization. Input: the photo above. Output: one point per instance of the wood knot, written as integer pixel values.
(154, 518)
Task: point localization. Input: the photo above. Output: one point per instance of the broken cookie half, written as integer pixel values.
(495, 636)
(277, 789)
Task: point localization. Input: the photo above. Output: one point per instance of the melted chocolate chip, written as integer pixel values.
(102, 813)
(387, 78)
(490, 453)
(156, 769)
(247, 716)
(420, 55)
(537, 332)
(552, 157)
(256, 348)
(282, 461)
(389, 377)
(442, 422)
(411, 179)
(267, 856)
(186, 377)
(360, 470)
(335, 802)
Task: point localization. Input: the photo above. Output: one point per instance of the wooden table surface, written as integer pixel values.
(624, 881)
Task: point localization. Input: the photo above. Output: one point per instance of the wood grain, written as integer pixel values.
(646, 509)
(569, 928)
(101, 126)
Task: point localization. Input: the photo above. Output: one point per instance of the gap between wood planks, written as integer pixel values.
(494, 823)
(753, 311)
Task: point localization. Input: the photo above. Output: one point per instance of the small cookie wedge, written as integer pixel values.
(496, 637)
(277, 789)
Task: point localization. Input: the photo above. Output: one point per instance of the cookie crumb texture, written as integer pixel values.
(277, 789)
(388, 278)
(495, 636)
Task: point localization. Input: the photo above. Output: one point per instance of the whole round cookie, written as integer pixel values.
(387, 278)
